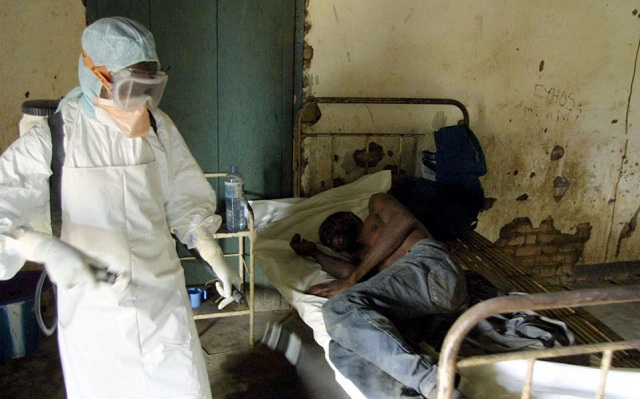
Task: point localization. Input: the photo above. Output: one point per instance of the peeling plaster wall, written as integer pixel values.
(40, 44)
(550, 87)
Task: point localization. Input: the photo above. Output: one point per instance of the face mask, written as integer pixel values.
(131, 123)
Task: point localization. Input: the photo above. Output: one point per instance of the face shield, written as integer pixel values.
(132, 88)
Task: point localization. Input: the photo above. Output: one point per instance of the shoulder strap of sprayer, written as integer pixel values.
(56, 126)
(57, 160)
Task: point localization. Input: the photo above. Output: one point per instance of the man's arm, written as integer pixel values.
(336, 267)
(398, 223)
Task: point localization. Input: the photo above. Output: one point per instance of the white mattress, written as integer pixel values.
(278, 220)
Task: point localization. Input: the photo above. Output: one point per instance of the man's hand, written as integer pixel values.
(302, 247)
(331, 288)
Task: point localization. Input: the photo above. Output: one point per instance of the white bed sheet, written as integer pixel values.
(277, 221)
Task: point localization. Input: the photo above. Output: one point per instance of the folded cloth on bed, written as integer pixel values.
(518, 331)
(511, 331)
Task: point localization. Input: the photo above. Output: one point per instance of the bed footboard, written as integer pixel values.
(449, 362)
(480, 255)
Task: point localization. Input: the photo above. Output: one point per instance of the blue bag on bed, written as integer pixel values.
(459, 155)
(448, 206)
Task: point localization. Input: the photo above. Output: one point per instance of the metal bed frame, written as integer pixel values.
(300, 134)
(478, 254)
(449, 362)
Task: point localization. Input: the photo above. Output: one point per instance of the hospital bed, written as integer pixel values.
(346, 149)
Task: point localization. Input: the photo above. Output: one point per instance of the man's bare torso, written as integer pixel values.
(369, 233)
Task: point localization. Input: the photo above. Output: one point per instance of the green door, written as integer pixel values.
(231, 81)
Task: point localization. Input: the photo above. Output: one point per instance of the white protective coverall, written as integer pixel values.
(120, 198)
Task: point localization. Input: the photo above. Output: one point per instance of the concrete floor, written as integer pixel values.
(235, 370)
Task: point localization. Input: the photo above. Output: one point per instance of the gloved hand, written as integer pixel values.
(211, 253)
(66, 266)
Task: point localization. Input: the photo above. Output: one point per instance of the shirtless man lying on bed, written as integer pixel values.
(399, 272)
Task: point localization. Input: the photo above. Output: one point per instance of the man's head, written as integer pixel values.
(117, 44)
(340, 231)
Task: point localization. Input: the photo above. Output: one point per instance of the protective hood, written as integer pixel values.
(114, 42)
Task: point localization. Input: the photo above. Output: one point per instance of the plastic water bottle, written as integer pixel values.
(234, 200)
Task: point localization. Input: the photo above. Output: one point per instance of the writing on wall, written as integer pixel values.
(553, 104)
(555, 96)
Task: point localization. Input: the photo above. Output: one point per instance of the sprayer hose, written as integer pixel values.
(48, 331)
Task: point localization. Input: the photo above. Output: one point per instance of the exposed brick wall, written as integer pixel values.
(545, 252)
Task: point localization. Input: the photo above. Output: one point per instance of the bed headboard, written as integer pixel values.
(340, 139)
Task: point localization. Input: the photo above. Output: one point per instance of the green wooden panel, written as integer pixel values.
(137, 10)
(186, 43)
(255, 100)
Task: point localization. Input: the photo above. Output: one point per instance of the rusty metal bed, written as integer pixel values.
(361, 141)
(449, 362)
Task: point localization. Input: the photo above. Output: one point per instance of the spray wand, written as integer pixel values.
(236, 295)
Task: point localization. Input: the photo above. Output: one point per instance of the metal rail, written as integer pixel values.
(398, 100)
(299, 134)
(449, 363)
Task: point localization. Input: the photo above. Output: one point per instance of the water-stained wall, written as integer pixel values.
(40, 45)
(550, 87)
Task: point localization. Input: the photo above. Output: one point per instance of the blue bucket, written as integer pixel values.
(19, 330)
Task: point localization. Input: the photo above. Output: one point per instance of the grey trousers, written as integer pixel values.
(365, 344)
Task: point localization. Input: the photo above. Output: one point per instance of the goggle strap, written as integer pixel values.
(101, 71)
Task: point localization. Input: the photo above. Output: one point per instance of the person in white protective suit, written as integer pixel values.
(125, 188)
